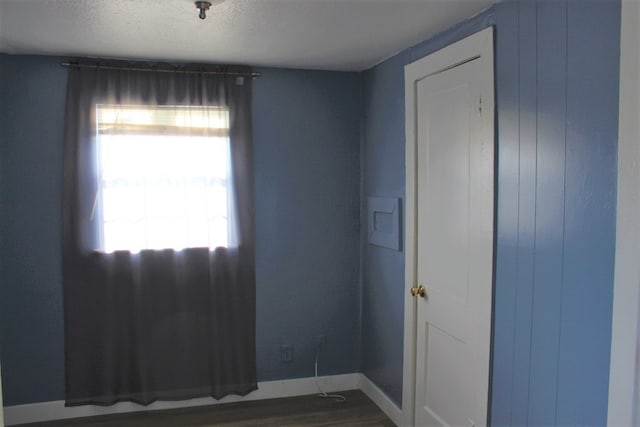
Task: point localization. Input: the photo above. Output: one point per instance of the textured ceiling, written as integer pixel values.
(314, 34)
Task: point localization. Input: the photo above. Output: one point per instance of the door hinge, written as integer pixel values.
(480, 106)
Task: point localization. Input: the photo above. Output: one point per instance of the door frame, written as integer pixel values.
(478, 46)
(624, 372)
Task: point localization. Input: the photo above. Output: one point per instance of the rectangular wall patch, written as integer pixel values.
(383, 217)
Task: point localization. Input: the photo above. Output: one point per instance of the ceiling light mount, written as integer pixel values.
(203, 6)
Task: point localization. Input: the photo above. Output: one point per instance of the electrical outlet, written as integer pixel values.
(286, 353)
(321, 342)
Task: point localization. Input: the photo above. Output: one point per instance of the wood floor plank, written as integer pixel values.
(307, 411)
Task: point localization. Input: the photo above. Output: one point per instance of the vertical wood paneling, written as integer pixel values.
(526, 210)
(551, 93)
(506, 273)
(593, 45)
(555, 210)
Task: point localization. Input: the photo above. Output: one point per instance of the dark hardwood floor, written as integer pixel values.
(311, 410)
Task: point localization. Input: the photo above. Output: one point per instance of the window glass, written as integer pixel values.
(163, 177)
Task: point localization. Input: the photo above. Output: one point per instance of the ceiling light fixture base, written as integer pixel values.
(203, 6)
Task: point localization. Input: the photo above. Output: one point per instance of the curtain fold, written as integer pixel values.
(162, 324)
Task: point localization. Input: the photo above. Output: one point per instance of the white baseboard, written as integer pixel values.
(47, 411)
(382, 400)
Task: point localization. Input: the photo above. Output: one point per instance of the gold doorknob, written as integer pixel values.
(420, 290)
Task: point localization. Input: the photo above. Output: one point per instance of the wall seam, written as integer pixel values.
(564, 205)
(535, 216)
(517, 263)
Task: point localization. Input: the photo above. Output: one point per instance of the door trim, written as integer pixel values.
(624, 372)
(478, 46)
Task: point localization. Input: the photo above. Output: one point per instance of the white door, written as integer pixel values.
(453, 247)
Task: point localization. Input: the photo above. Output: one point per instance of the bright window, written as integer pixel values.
(164, 177)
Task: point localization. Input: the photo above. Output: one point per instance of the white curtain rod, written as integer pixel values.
(159, 70)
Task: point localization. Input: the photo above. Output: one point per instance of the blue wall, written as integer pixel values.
(557, 101)
(307, 149)
(556, 212)
(307, 142)
(32, 95)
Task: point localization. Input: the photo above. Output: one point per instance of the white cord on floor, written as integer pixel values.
(324, 395)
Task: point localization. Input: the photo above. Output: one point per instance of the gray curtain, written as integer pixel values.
(155, 324)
